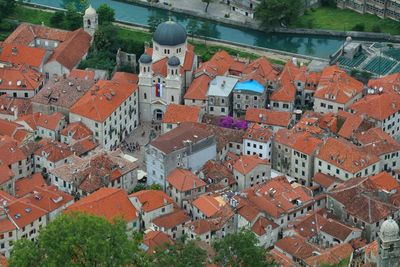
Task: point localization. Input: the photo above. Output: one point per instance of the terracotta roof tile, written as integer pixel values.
(53, 151)
(20, 54)
(156, 240)
(331, 256)
(385, 181)
(268, 117)
(184, 180)
(70, 52)
(247, 163)
(209, 205)
(10, 151)
(26, 185)
(179, 113)
(297, 247)
(152, 199)
(259, 227)
(50, 122)
(111, 203)
(49, 198)
(24, 212)
(87, 75)
(76, 130)
(336, 85)
(258, 133)
(5, 174)
(384, 105)
(171, 220)
(125, 77)
(345, 155)
(20, 77)
(198, 88)
(375, 141)
(103, 99)
(26, 33)
(388, 83)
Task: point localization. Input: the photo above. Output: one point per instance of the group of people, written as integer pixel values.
(130, 147)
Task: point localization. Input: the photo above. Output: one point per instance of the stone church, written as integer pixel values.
(165, 71)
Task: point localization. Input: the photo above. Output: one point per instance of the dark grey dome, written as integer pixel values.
(174, 61)
(145, 59)
(170, 33)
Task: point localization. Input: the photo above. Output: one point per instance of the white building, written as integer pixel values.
(258, 141)
(110, 110)
(165, 70)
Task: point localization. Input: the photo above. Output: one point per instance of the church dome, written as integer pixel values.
(170, 33)
(145, 59)
(390, 229)
(90, 11)
(174, 61)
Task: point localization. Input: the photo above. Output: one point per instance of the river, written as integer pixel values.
(317, 46)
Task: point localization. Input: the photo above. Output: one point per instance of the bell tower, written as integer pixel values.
(90, 20)
(389, 244)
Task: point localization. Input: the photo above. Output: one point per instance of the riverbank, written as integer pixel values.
(35, 15)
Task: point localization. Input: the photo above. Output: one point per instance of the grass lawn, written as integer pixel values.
(344, 20)
(34, 16)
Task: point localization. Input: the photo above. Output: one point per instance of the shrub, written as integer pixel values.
(360, 27)
(376, 28)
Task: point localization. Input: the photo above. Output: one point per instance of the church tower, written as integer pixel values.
(389, 244)
(90, 20)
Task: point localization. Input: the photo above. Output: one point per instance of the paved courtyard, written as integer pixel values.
(134, 145)
(215, 9)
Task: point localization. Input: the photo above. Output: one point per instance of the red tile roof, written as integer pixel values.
(286, 91)
(5, 174)
(246, 163)
(268, 117)
(77, 131)
(184, 180)
(324, 180)
(209, 205)
(306, 144)
(103, 99)
(53, 151)
(26, 34)
(171, 220)
(350, 125)
(385, 181)
(49, 198)
(388, 83)
(260, 226)
(156, 240)
(26, 185)
(179, 113)
(20, 77)
(384, 105)
(337, 86)
(50, 122)
(21, 54)
(110, 203)
(152, 199)
(24, 212)
(297, 247)
(124, 77)
(257, 133)
(260, 70)
(10, 152)
(331, 256)
(218, 65)
(87, 75)
(375, 141)
(70, 52)
(345, 155)
(198, 88)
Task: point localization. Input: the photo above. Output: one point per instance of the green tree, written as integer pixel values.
(208, 3)
(78, 5)
(153, 21)
(105, 38)
(359, 27)
(73, 19)
(240, 249)
(6, 7)
(77, 240)
(180, 254)
(273, 12)
(192, 27)
(25, 253)
(106, 14)
(57, 20)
